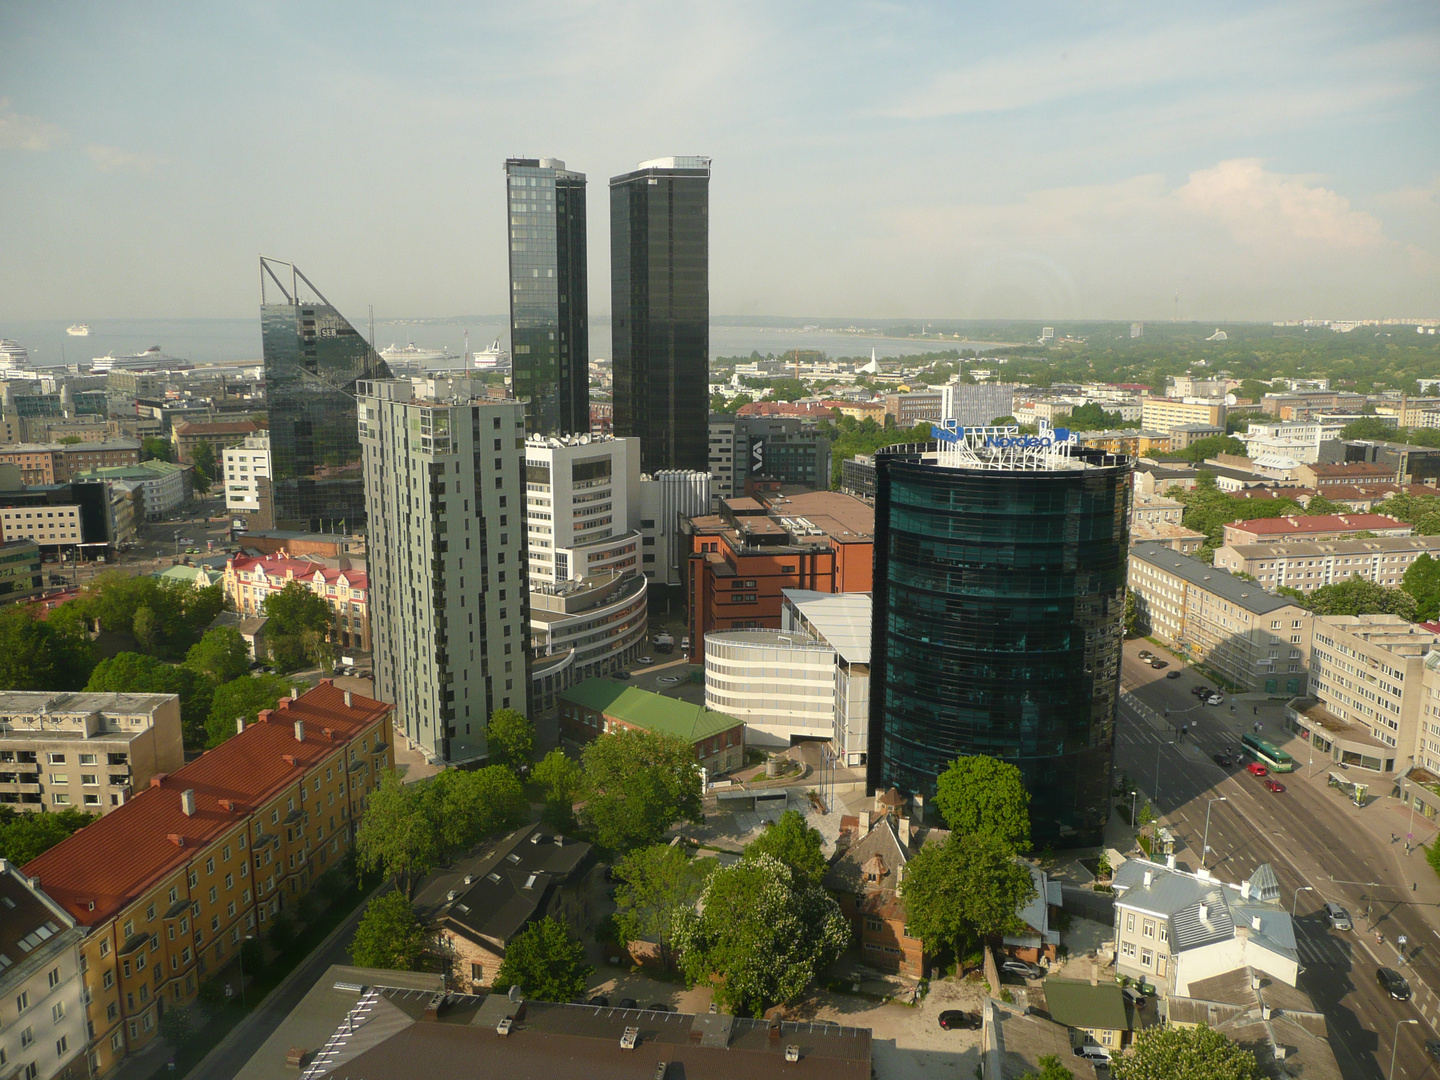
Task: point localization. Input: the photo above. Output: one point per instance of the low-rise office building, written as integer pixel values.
(1235, 629)
(89, 751)
(597, 706)
(21, 574)
(165, 484)
(582, 629)
(667, 499)
(1308, 565)
(781, 684)
(187, 437)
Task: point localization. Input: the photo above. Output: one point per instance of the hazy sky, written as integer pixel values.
(968, 160)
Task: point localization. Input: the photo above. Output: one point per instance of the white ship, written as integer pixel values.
(411, 353)
(13, 356)
(492, 359)
(150, 358)
(78, 330)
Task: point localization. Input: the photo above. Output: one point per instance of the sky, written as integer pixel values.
(1107, 160)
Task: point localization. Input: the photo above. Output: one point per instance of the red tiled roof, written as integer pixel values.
(282, 566)
(112, 861)
(1318, 523)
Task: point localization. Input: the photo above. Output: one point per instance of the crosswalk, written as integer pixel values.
(1327, 951)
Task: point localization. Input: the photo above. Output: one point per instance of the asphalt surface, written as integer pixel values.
(1316, 843)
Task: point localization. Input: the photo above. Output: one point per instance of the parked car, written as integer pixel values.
(1223, 760)
(1134, 996)
(685, 643)
(600, 1000)
(1020, 968)
(1157, 663)
(645, 661)
(1256, 768)
(1146, 654)
(660, 1006)
(1275, 786)
(1200, 691)
(957, 1020)
(1338, 917)
(629, 1003)
(623, 676)
(1172, 674)
(1393, 983)
(1432, 1047)
(1096, 1055)
(1214, 699)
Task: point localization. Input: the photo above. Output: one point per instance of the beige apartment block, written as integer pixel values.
(1310, 564)
(87, 751)
(1165, 414)
(1232, 628)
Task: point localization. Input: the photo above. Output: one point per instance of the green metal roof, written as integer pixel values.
(1080, 1005)
(654, 712)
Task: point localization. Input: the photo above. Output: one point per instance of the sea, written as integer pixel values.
(232, 341)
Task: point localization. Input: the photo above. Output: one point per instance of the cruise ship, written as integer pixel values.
(492, 359)
(13, 356)
(78, 330)
(412, 354)
(150, 358)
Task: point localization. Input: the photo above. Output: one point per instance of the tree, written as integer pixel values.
(1368, 427)
(637, 785)
(982, 794)
(1211, 445)
(242, 697)
(562, 779)
(1165, 1053)
(177, 1026)
(760, 934)
(27, 836)
(1050, 1069)
(395, 835)
(967, 888)
(204, 462)
(390, 935)
(172, 615)
(545, 962)
(221, 655)
(41, 654)
(1132, 615)
(157, 449)
(298, 622)
(1318, 504)
(1360, 597)
(511, 739)
(1422, 582)
(466, 805)
(794, 843)
(137, 673)
(656, 883)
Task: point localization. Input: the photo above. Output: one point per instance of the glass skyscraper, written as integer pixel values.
(549, 330)
(313, 358)
(660, 310)
(998, 617)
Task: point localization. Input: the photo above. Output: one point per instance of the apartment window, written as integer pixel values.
(22, 1002)
(209, 866)
(1130, 922)
(57, 1011)
(53, 977)
(27, 1037)
(1147, 958)
(1149, 928)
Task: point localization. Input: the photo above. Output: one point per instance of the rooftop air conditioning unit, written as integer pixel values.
(503, 1028)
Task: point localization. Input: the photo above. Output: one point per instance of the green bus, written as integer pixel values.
(1268, 754)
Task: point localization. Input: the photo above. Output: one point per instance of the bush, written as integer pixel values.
(177, 1027)
(252, 957)
(282, 932)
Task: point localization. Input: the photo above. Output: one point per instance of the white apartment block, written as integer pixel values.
(445, 500)
(582, 506)
(1166, 414)
(89, 751)
(244, 467)
(665, 498)
(1310, 564)
(1233, 628)
(42, 992)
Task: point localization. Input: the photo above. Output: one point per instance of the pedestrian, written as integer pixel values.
(1257, 710)
(1393, 838)
(1414, 885)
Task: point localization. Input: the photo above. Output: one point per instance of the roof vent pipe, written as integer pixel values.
(239, 724)
(1204, 911)
(347, 699)
(294, 693)
(187, 802)
(299, 730)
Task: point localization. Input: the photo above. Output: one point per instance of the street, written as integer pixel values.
(1319, 845)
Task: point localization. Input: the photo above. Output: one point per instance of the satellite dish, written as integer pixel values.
(1230, 399)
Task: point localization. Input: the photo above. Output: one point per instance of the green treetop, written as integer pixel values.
(981, 794)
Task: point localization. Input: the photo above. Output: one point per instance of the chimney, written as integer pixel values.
(905, 832)
(294, 693)
(239, 724)
(263, 716)
(299, 730)
(187, 802)
(1170, 862)
(1204, 912)
(283, 703)
(1149, 877)
(1255, 922)
(1245, 890)
(347, 699)
(864, 816)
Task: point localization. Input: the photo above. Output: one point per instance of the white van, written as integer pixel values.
(1096, 1055)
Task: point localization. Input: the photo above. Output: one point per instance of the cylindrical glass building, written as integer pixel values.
(998, 617)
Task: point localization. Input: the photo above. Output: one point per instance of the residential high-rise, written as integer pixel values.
(449, 605)
(582, 506)
(549, 328)
(313, 359)
(998, 606)
(660, 310)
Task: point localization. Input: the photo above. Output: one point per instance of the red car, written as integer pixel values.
(1256, 768)
(1274, 785)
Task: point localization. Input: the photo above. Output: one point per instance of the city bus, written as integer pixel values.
(1268, 754)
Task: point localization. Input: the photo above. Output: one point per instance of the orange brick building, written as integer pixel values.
(744, 558)
(167, 886)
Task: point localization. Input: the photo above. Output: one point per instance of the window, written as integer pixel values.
(57, 1011)
(1130, 922)
(1147, 958)
(22, 1002)
(53, 977)
(477, 973)
(1149, 928)
(27, 1037)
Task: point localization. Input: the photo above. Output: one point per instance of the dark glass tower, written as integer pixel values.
(998, 618)
(660, 310)
(313, 358)
(549, 333)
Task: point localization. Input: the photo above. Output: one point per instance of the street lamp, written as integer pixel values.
(248, 937)
(1293, 903)
(1132, 808)
(1205, 847)
(1395, 1045)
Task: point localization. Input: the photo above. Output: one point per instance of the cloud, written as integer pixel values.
(1263, 208)
(113, 159)
(21, 132)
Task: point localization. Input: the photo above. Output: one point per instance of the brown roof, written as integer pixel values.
(26, 920)
(223, 427)
(842, 517)
(1354, 468)
(110, 862)
(1308, 523)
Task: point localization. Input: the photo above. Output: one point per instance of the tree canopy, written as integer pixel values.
(40, 654)
(137, 673)
(299, 623)
(1050, 1069)
(1209, 510)
(1199, 1053)
(390, 935)
(27, 836)
(562, 778)
(1354, 597)
(794, 843)
(655, 884)
(849, 437)
(1421, 511)
(204, 461)
(637, 785)
(511, 740)
(761, 934)
(163, 618)
(1422, 582)
(242, 697)
(221, 654)
(545, 962)
(982, 794)
(967, 888)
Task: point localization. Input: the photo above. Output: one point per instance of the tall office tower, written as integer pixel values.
(313, 359)
(660, 310)
(999, 602)
(549, 330)
(448, 600)
(582, 505)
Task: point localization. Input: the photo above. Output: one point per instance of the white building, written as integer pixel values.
(665, 498)
(582, 503)
(445, 500)
(1174, 928)
(841, 621)
(42, 994)
(975, 405)
(580, 629)
(246, 466)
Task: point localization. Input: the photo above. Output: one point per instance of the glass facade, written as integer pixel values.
(998, 618)
(549, 332)
(313, 358)
(660, 310)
